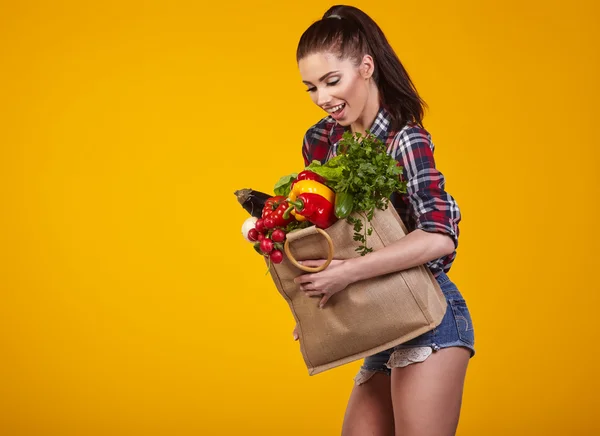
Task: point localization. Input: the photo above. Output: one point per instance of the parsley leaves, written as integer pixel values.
(364, 170)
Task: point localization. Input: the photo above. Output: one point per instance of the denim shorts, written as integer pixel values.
(455, 330)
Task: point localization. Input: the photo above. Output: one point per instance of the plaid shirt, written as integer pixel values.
(426, 205)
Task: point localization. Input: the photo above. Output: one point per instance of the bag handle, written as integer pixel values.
(299, 234)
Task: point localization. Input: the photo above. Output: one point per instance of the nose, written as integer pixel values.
(323, 97)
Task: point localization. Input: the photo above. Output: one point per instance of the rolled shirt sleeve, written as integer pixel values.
(432, 208)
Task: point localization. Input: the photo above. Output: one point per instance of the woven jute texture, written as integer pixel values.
(368, 316)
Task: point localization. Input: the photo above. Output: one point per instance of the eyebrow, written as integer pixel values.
(322, 77)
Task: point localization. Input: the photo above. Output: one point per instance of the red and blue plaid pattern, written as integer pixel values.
(426, 205)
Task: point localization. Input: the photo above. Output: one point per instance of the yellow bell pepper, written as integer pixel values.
(297, 215)
(312, 187)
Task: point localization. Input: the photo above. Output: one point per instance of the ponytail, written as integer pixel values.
(350, 33)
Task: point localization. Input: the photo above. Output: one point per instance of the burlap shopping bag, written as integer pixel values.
(368, 316)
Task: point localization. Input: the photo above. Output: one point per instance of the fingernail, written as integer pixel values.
(295, 337)
(320, 306)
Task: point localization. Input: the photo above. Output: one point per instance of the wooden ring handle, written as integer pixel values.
(288, 253)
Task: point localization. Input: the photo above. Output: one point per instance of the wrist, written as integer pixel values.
(352, 269)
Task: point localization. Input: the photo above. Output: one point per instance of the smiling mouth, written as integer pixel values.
(337, 108)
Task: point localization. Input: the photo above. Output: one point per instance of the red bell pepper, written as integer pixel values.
(315, 208)
(273, 212)
(308, 175)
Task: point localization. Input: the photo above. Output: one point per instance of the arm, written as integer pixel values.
(416, 248)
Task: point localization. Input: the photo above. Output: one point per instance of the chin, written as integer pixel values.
(346, 121)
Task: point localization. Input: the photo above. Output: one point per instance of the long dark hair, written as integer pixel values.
(350, 33)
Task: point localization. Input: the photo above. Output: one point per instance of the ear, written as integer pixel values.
(367, 67)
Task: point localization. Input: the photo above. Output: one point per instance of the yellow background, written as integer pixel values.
(131, 305)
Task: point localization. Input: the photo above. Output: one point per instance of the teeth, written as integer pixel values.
(336, 108)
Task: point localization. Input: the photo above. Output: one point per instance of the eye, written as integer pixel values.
(335, 82)
(312, 89)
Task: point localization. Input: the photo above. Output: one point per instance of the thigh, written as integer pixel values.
(427, 396)
(369, 410)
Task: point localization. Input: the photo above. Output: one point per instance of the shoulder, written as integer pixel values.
(321, 130)
(413, 133)
(409, 138)
(317, 140)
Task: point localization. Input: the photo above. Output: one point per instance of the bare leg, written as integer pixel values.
(427, 396)
(369, 411)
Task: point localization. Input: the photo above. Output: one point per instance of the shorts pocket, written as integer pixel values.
(464, 323)
(450, 290)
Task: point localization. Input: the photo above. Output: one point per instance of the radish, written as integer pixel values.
(253, 235)
(266, 245)
(260, 225)
(269, 222)
(276, 256)
(247, 226)
(278, 235)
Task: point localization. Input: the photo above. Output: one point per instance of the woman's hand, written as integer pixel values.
(326, 283)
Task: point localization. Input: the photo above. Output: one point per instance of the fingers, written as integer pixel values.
(311, 290)
(324, 300)
(306, 278)
(308, 285)
(296, 333)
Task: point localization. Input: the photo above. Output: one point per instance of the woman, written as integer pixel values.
(353, 74)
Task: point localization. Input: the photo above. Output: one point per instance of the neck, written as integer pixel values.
(367, 118)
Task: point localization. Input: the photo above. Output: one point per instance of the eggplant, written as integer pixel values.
(252, 201)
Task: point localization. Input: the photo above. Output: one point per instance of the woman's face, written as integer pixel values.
(337, 86)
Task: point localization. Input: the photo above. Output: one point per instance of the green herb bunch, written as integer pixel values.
(365, 175)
